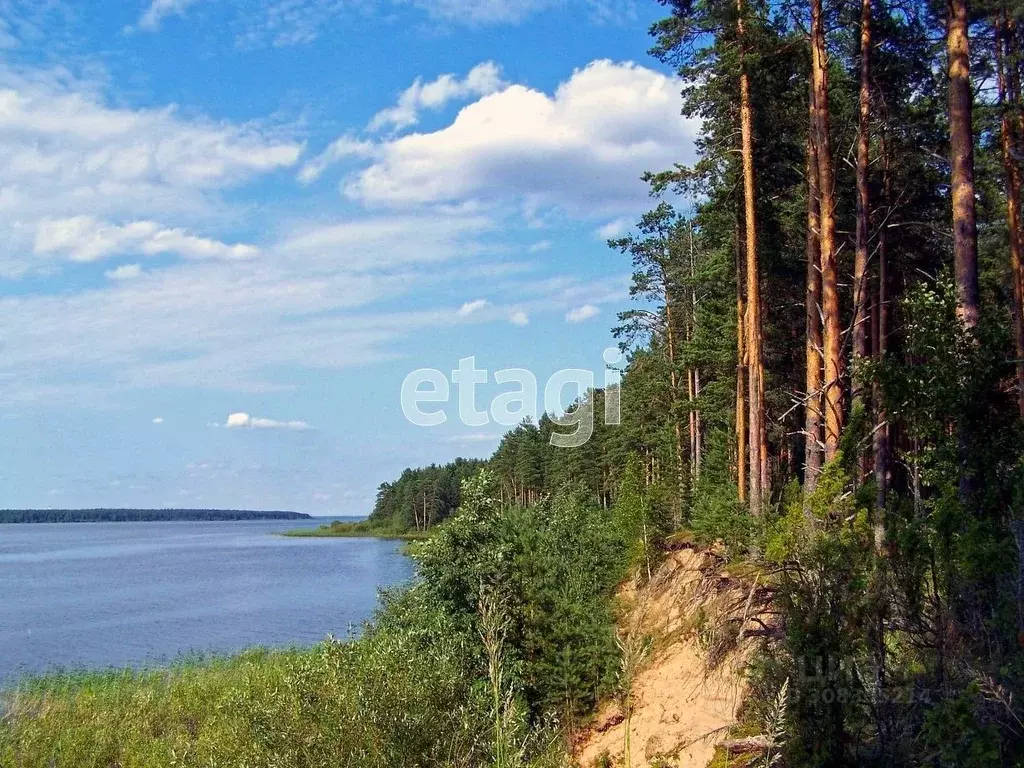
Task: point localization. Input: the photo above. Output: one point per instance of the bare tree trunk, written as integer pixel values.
(1005, 58)
(813, 447)
(741, 373)
(965, 227)
(832, 337)
(880, 337)
(755, 356)
(694, 406)
(699, 445)
(674, 381)
(961, 160)
(690, 393)
(860, 262)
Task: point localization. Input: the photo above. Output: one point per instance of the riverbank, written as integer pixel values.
(445, 668)
(358, 530)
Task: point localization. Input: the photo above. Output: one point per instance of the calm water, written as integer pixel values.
(114, 594)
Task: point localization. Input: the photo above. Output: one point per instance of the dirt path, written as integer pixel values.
(690, 683)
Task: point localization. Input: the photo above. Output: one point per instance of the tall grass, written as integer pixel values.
(440, 677)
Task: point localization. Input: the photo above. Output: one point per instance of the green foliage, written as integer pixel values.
(553, 568)
(420, 498)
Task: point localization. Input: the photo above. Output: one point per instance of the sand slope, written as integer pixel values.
(689, 684)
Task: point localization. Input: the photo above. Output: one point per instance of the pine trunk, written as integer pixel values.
(1005, 58)
(813, 447)
(832, 335)
(961, 160)
(880, 337)
(674, 383)
(861, 319)
(741, 373)
(759, 490)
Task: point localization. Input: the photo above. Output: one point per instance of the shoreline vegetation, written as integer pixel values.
(25, 516)
(360, 529)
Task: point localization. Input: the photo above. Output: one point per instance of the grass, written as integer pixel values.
(366, 703)
(361, 529)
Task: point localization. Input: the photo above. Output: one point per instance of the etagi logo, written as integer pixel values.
(429, 386)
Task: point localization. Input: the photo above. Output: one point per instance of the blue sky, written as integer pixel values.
(280, 208)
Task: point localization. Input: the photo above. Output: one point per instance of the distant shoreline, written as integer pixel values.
(99, 515)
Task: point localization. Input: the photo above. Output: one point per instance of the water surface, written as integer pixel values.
(97, 595)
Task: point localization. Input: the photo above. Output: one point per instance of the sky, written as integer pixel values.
(229, 229)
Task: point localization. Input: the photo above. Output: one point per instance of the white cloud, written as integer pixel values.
(68, 157)
(519, 318)
(124, 272)
(245, 421)
(539, 247)
(161, 9)
(158, 420)
(83, 238)
(482, 80)
(338, 150)
(615, 228)
(581, 149)
(472, 307)
(582, 314)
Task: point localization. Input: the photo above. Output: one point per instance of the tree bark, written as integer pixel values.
(860, 262)
(880, 337)
(674, 383)
(741, 373)
(832, 337)
(813, 447)
(1005, 58)
(759, 490)
(961, 160)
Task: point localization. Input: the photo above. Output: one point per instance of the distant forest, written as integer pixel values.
(138, 515)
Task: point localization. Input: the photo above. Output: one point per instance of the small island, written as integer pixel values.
(141, 515)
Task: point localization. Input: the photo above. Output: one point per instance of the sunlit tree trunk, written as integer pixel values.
(961, 160)
(759, 490)
(813, 448)
(832, 327)
(741, 374)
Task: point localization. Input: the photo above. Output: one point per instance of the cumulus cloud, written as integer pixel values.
(245, 421)
(83, 238)
(582, 314)
(158, 420)
(519, 318)
(482, 80)
(472, 307)
(581, 149)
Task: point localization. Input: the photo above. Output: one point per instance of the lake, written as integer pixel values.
(98, 595)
